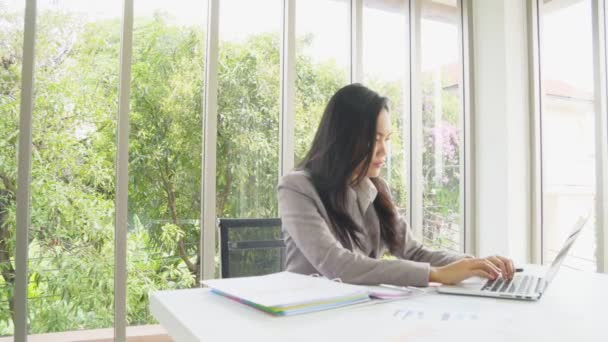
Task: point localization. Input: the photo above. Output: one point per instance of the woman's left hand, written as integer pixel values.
(504, 264)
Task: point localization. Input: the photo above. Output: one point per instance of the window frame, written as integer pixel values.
(599, 20)
(599, 23)
(208, 241)
(415, 212)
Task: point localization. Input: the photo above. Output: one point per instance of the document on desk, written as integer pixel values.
(287, 293)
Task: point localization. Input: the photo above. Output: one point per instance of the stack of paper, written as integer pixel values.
(287, 293)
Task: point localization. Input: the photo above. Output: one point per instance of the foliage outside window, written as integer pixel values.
(73, 183)
(73, 179)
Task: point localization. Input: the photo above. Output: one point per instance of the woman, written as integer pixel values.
(338, 217)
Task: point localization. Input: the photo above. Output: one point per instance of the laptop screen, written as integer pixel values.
(559, 258)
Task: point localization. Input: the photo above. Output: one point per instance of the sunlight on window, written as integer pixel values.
(322, 63)
(71, 253)
(11, 55)
(568, 129)
(385, 71)
(248, 108)
(442, 118)
(165, 148)
(248, 119)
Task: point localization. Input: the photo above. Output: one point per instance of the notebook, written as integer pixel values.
(287, 293)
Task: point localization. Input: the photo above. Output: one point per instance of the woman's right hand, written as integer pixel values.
(462, 269)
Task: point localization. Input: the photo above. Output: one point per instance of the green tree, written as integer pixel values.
(72, 231)
(71, 184)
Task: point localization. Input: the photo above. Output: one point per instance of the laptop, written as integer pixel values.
(522, 286)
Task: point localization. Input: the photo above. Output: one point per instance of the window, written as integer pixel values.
(165, 150)
(11, 53)
(385, 70)
(439, 129)
(71, 263)
(248, 117)
(248, 108)
(73, 185)
(322, 63)
(568, 129)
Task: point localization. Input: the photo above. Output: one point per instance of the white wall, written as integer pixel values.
(502, 128)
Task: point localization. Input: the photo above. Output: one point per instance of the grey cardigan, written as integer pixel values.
(312, 246)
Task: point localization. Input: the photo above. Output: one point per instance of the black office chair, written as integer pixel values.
(251, 246)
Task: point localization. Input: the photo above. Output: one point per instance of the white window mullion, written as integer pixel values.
(407, 110)
(208, 210)
(535, 105)
(467, 164)
(122, 176)
(24, 172)
(356, 41)
(288, 84)
(416, 133)
(601, 135)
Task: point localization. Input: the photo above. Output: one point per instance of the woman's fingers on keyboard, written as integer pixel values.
(488, 267)
(509, 264)
(482, 274)
(496, 261)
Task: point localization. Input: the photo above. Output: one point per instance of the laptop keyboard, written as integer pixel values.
(519, 284)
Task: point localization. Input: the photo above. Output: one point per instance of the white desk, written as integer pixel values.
(575, 308)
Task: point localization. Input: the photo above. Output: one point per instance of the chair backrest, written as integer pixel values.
(251, 246)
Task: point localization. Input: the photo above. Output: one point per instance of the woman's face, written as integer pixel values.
(381, 149)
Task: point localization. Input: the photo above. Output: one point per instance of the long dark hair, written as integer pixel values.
(344, 144)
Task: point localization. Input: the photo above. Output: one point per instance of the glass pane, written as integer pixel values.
(165, 150)
(442, 118)
(71, 252)
(248, 108)
(11, 53)
(385, 71)
(323, 59)
(248, 111)
(568, 164)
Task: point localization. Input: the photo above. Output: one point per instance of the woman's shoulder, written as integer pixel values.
(296, 192)
(298, 179)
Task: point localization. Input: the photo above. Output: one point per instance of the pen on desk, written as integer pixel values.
(395, 287)
(407, 289)
(519, 270)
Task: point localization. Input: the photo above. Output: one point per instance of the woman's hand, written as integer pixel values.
(465, 268)
(507, 269)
